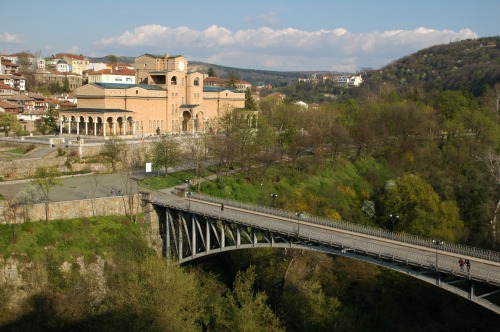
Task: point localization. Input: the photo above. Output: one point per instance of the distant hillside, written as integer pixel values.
(256, 77)
(468, 64)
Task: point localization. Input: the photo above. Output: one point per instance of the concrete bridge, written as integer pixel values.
(192, 226)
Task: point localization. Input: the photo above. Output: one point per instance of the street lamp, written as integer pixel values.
(189, 193)
(273, 196)
(299, 215)
(437, 244)
(394, 218)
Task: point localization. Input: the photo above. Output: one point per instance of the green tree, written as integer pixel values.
(166, 152)
(249, 101)
(159, 296)
(112, 151)
(243, 309)
(112, 59)
(211, 72)
(27, 68)
(9, 122)
(65, 85)
(232, 79)
(47, 124)
(421, 210)
(45, 179)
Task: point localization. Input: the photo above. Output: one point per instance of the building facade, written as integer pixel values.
(165, 99)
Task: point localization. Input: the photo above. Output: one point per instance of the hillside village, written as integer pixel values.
(155, 94)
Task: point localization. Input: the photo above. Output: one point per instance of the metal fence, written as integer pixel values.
(425, 260)
(455, 248)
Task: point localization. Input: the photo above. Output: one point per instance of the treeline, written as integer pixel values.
(100, 275)
(442, 148)
(423, 165)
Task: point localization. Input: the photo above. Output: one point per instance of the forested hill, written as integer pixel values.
(469, 65)
(254, 76)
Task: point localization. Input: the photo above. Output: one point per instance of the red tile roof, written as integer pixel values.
(8, 105)
(69, 55)
(5, 87)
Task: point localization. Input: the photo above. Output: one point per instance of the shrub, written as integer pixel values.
(60, 152)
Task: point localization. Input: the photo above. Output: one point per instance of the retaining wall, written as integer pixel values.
(103, 206)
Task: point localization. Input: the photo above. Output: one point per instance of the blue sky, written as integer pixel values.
(271, 35)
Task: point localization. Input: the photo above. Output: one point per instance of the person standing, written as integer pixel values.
(222, 207)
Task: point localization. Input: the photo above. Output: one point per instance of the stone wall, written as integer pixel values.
(103, 206)
(25, 168)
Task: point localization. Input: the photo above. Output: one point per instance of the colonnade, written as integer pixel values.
(96, 126)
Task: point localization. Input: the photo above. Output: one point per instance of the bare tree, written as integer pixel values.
(196, 152)
(45, 179)
(112, 151)
(130, 162)
(166, 152)
(25, 197)
(94, 184)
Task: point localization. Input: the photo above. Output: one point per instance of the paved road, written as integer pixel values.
(74, 188)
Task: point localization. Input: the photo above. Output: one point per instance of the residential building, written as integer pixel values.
(279, 95)
(62, 66)
(10, 107)
(355, 80)
(166, 98)
(77, 63)
(222, 82)
(120, 76)
(8, 67)
(6, 91)
(47, 77)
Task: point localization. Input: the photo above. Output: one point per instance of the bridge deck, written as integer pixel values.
(415, 256)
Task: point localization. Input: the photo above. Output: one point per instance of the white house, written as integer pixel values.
(62, 66)
(120, 76)
(355, 80)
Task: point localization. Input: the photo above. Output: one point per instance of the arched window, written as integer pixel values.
(161, 126)
(196, 81)
(150, 125)
(173, 81)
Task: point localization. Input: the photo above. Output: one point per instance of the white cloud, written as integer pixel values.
(10, 38)
(264, 19)
(74, 49)
(283, 49)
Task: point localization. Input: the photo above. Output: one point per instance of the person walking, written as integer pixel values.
(461, 262)
(222, 207)
(467, 263)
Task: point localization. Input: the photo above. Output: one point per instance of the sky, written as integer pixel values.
(332, 35)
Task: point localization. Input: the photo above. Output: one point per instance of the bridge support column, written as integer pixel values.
(168, 223)
(193, 235)
(238, 236)
(223, 236)
(207, 236)
(179, 231)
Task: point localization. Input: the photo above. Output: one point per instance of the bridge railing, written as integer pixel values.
(426, 260)
(458, 249)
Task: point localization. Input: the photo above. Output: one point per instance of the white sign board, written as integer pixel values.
(148, 167)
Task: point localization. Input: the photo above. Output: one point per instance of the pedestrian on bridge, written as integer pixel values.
(461, 262)
(467, 263)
